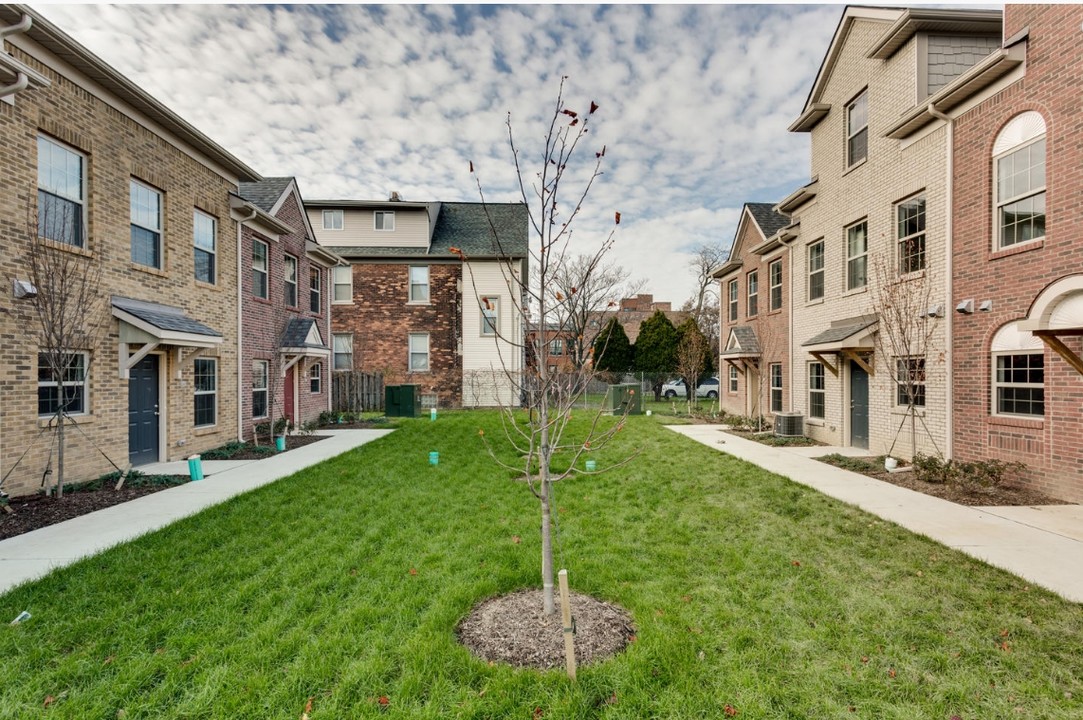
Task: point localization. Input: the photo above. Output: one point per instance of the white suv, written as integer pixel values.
(675, 388)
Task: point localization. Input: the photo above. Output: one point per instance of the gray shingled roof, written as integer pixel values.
(264, 194)
(164, 317)
(297, 333)
(746, 338)
(465, 226)
(770, 222)
(841, 331)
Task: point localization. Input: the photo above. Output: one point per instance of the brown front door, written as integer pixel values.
(289, 389)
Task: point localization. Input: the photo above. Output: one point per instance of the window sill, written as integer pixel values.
(855, 291)
(1018, 248)
(44, 422)
(205, 430)
(814, 422)
(208, 286)
(65, 247)
(341, 302)
(421, 303)
(775, 312)
(148, 270)
(817, 301)
(1016, 422)
(855, 166)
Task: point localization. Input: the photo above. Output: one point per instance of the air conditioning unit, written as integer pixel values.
(791, 424)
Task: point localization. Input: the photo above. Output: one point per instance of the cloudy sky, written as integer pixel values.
(358, 101)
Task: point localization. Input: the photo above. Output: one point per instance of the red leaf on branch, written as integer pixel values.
(593, 107)
(616, 217)
(600, 154)
(569, 113)
(573, 123)
(471, 166)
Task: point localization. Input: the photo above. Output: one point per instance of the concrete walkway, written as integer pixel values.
(34, 554)
(1043, 544)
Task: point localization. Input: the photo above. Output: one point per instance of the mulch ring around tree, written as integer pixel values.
(512, 629)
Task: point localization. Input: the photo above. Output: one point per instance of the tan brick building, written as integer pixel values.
(114, 179)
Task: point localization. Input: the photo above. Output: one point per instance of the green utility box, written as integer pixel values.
(401, 401)
(619, 398)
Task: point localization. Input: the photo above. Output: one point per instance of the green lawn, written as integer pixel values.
(746, 590)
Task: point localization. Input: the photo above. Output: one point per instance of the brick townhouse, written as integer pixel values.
(408, 306)
(108, 175)
(285, 303)
(754, 289)
(874, 220)
(1017, 241)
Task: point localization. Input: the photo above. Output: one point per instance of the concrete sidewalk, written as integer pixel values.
(1043, 544)
(34, 554)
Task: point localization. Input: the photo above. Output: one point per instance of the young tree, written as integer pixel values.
(63, 314)
(564, 174)
(693, 354)
(656, 350)
(612, 350)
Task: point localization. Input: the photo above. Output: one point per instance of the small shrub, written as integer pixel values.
(309, 427)
(987, 473)
(225, 452)
(933, 469)
(853, 464)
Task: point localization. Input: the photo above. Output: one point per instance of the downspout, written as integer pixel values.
(240, 334)
(20, 27)
(949, 319)
(22, 82)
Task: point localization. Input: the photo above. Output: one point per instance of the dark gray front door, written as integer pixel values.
(143, 412)
(859, 406)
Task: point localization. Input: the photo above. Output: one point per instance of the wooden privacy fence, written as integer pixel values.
(353, 391)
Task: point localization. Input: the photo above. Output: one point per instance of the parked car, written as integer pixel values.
(675, 388)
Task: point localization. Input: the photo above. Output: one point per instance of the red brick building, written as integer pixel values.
(285, 306)
(1018, 259)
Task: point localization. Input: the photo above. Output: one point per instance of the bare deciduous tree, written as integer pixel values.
(692, 350)
(706, 258)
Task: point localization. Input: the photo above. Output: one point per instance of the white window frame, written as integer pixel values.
(264, 272)
(752, 281)
(490, 316)
(155, 227)
(853, 130)
(733, 380)
(333, 219)
(315, 291)
(814, 271)
(774, 286)
(45, 185)
(910, 366)
(287, 283)
(556, 347)
(1031, 193)
(998, 384)
(906, 235)
(860, 259)
(772, 368)
(315, 377)
(342, 348)
(63, 383)
(734, 295)
(197, 217)
(413, 351)
(817, 378)
(197, 392)
(260, 388)
(414, 284)
(380, 221)
(337, 274)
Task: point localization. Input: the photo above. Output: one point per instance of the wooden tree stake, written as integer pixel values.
(566, 616)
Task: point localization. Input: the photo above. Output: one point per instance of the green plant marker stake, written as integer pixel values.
(434, 458)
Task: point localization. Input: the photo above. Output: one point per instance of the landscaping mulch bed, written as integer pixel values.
(769, 438)
(292, 442)
(511, 629)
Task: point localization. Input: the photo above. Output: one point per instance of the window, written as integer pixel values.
(290, 276)
(816, 270)
(383, 220)
(733, 301)
(910, 378)
(343, 280)
(61, 193)
(910, 234)
(817, 393)
(419, 352)
(857, 256)
(776, 387)
(490, 316)
(205, 232)
(332, 219)
(146, 218)
(1019, 172)
(70, 390)
(733, 378)
(556, 346)
(1020, 384)
(206, 384)
(315, 374)
(419, 283)
(753, 293)
(343, 352)
(314, 290)
(259, 388)
(774, 272)
(857, 129)
(259, 269)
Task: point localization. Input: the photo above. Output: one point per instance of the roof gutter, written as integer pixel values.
(20, 27)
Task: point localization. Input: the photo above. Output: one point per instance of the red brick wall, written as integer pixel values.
(1052, 446)
(381, 321)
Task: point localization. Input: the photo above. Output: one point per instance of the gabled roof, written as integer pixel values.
(157, 319)
(848, 333)
(742, 342)
(761, 216)
(266, 193)
(944, 22)
(769, 220)
(303, 332)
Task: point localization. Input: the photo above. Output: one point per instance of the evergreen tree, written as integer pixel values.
(656, 350)
(612, 350)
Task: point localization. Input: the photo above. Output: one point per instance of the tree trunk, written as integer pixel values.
(548, 606)
(60, 454)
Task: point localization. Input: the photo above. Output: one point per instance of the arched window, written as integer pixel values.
(1018, 372)
(1019, 181)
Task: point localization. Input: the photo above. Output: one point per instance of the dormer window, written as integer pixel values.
(384, 220)
(857, 129)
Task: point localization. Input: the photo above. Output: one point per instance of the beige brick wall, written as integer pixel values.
(869, 191)
(117, 149)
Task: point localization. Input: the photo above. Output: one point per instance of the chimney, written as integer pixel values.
(395, 197)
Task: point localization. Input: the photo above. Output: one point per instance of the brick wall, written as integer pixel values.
(1051, 446)
(381, 320)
